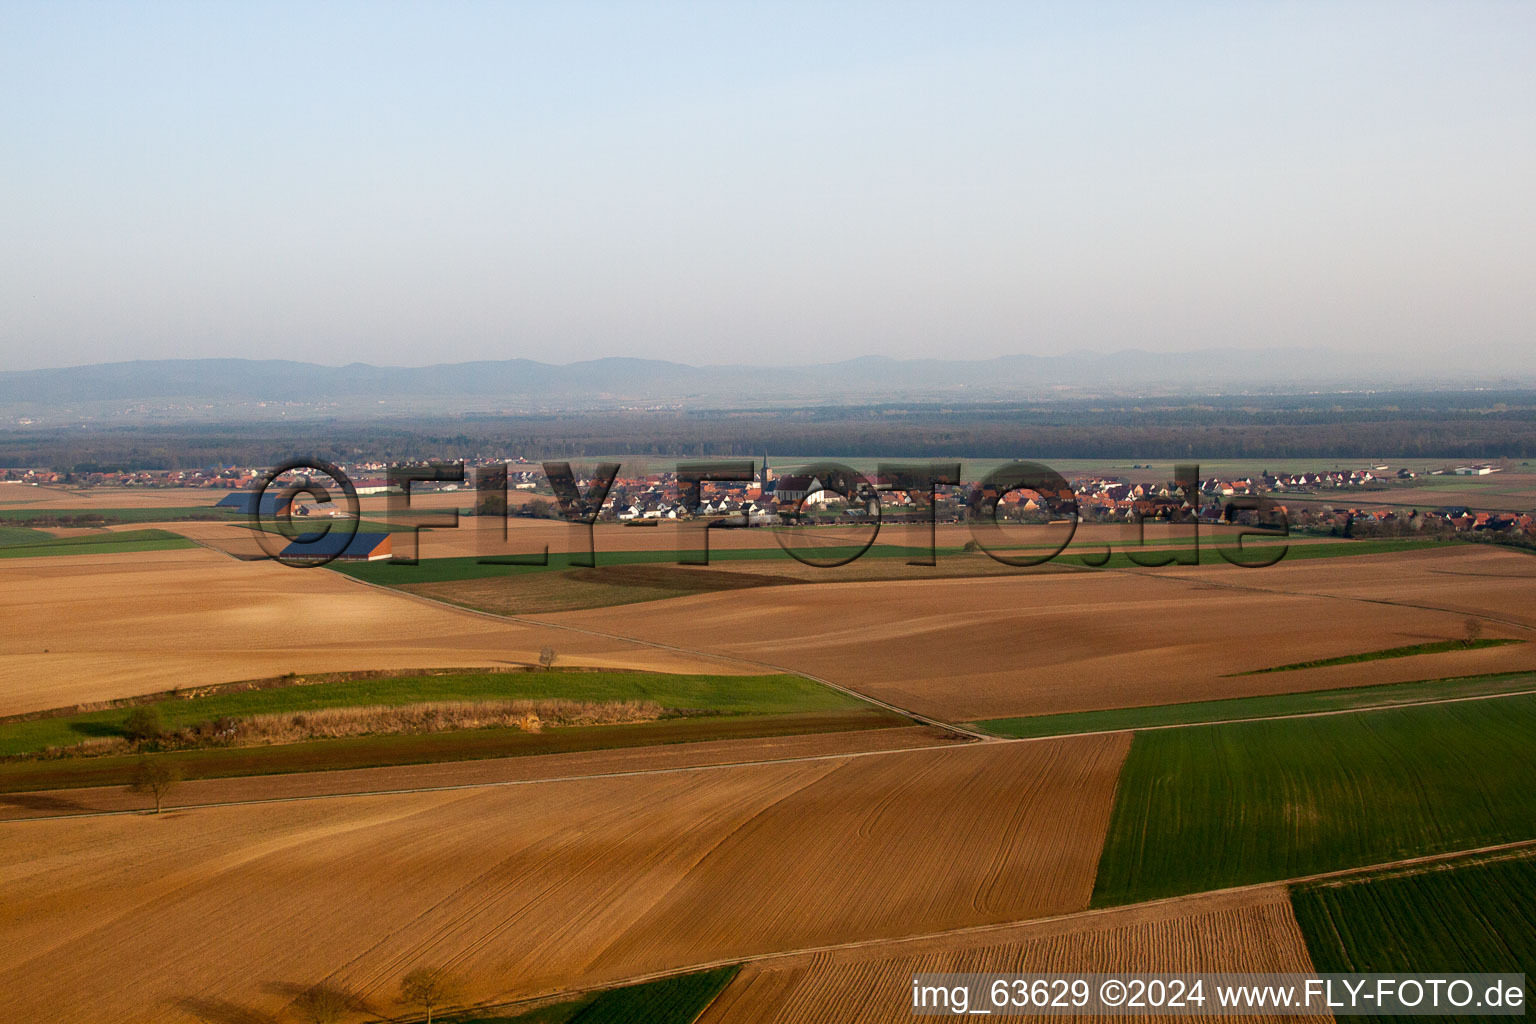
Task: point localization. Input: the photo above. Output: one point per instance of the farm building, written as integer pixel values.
(362, 547)
(272, 503)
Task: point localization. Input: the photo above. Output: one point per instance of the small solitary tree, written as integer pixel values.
(322, 1005)
(546, 658)
(429, 988)
(1474, 628)
(143, 723)
(153, 777)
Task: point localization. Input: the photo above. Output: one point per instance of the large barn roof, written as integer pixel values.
(272, 502)
(338, 543)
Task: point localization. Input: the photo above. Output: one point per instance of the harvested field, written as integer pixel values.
(968, 649)
(1462, 579)
(603, 587)
(87, 498)
(379, 751)
(1249, 931)
(481, 772)
(96, 627)
(532, 889)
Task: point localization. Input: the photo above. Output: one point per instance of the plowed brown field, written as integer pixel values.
(1463, 580)
(85, 499)
(480, 536)
(489, 771)
(1250, 931)
(226, 913)
(92, 627)
(962, 649)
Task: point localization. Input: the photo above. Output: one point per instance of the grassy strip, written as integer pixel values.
(430, 748)
(98, 544)
(1273, 705)
(1473, 916)
(1435, 647)
(773, 694)
(1212, 806)
(445, 570)
(678, 1000)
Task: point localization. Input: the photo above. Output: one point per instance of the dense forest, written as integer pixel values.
(1450, 425)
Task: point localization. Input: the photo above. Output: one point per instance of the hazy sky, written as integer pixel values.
(763, 182)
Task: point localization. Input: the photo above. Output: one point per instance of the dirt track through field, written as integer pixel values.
(542, 887)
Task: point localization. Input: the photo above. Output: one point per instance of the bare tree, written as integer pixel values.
(153, 777)
(322, 1005)
(1474, 628)
(547, 657)
(429, 988)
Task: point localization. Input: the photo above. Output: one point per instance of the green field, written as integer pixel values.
(95, 544)
(1211, 806)
(1476, 916)
(1408, 651)
(1275, 705)
(725, 695)
(12, 536)
(678, 1000)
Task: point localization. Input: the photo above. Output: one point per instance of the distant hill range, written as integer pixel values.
(526, 384)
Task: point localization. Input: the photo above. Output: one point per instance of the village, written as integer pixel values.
(1366, 501)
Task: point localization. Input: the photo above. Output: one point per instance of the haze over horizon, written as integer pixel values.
(796, 184)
